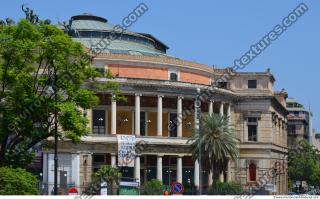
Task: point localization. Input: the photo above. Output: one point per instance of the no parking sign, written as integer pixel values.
(177, 188)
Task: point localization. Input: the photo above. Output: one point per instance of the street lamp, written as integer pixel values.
(53, 90)
(197, 129)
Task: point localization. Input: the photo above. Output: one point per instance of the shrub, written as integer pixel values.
(227, 188)
(17, 182)
(153, 187)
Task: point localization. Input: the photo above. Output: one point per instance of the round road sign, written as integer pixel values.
(177, 188)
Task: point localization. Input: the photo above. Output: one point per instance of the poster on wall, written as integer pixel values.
(126, 150)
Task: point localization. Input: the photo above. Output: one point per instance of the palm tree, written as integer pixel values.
(106, 173)
(218, 144)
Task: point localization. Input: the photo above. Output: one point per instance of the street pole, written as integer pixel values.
(198, 117)
(55, 136)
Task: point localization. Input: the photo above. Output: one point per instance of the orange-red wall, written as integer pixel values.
(155, 73)
(139, 72)
(193, 78)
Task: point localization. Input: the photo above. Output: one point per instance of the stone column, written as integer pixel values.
(159, 167)
(280, 133)
(229, 171)
(50, 176)
(210, 178)
(179, 116)
(113, 160)
(211, 107)
(179, 169)
(85, 168)
(75, 169)
(137, 115)
(137, 168)
(221, 177)
(221, 109)
(113, 115)
(159, 116)
(114, 165)
(196, 174)
(229, 113)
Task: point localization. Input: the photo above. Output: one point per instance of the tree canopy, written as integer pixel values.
(38, 61)
(17, 182)
(218, 144)
(303, 163)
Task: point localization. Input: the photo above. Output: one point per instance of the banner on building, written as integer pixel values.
(126, 150)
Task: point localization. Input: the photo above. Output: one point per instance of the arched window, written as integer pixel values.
(252, 172)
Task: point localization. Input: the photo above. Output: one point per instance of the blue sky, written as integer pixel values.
(215, 33)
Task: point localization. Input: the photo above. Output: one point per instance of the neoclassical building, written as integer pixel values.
(159, 89)
(299, 122)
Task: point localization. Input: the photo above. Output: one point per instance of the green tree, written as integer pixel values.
(30, 55)
(218, 144)
(108, 174)
(153, 187)
(303, 163)
(17, 182)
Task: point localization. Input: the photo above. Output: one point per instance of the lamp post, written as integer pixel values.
(197, 129)
(52, 89)
(55, 136)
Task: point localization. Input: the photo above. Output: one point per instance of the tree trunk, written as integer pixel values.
(215, 178)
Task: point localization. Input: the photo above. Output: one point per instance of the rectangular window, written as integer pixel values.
(252, 128)
(252, 83)
(142, 123)
(98, 158)
(252, 120)
(98, 121)
(292, 129)
(222, 85)
(252, 132)
(173, 77)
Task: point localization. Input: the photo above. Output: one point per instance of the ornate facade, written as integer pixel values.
(160, 91)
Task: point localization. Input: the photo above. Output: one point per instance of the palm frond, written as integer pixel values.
(217, 138)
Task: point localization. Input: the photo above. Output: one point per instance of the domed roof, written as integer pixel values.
(96, 32)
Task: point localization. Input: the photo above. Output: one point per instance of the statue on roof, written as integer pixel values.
(10, 21)
(7, 21)
(30, 15)
(67, 28)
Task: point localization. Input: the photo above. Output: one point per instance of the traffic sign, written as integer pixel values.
(104, 188)
(177, 188)
(129, 184)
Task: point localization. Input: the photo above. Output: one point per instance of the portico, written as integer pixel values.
(161, 120)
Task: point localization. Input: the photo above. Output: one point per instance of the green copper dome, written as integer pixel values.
(94, 32)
